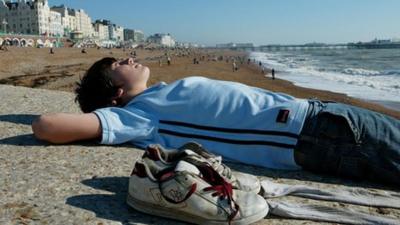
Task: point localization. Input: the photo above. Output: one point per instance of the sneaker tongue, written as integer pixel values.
(189, 152)
(185, 166)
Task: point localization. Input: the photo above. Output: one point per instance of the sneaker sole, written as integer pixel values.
(190, 218)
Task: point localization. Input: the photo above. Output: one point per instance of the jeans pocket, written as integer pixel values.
(337, 128)
(350, 116)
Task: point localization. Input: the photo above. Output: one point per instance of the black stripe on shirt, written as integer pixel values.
(231, 130)
(224, 140)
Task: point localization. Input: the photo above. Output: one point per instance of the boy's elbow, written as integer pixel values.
(41, 128)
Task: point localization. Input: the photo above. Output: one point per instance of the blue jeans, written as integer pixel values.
(349, 141)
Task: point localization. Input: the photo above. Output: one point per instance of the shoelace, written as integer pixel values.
(215, 161)
(220, 168)
(221, 188)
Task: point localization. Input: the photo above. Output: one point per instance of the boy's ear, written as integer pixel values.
(117, 99)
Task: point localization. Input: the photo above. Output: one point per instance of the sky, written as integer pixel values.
(211, 22)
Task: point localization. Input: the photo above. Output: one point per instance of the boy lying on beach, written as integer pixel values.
(239, 122)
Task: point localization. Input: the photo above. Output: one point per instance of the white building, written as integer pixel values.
(101, 31)
(118, 33)
(136, 36)
(104, 29)
(76, 21)
(83, 22)
(162, 39)
(187, 45)
(26, 16)
(55, 24)
(68, 22)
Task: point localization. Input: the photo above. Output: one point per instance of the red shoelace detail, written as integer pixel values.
(152, 153)
(221, 188)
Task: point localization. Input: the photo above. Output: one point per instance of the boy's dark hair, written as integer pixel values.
(96, 89)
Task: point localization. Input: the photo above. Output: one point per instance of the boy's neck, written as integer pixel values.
(132, 94)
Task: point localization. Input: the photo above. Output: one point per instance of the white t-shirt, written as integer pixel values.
(239, 122)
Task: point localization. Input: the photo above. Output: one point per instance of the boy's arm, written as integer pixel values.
(64, 128)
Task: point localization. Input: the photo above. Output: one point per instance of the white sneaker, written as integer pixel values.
(195, 153)
(194, 194)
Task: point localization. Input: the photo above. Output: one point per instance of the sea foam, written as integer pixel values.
(308, 71)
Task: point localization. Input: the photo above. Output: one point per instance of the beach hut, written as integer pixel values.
(15, 42)
(23, 42)
(48, 44)
(7, 41)
(39, 43)
(30, 43)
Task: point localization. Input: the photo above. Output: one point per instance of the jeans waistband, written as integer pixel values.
(315, 106)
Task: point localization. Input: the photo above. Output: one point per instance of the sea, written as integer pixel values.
(369, 74)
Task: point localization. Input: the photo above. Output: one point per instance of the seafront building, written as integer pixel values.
(68, 22)
(135, 36)
(83, 22)
(116, 33)
(55, 24)
(106, 30)
(29, 17)
(188, 45)
(75, 21)
(162, 39)
(101, 31)
(37, 18)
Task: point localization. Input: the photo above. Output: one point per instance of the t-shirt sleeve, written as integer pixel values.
(120, 125)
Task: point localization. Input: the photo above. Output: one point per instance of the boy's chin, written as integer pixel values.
(146, 71)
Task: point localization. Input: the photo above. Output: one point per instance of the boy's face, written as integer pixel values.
(128, 73)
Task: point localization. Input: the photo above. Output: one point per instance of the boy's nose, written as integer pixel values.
(128, 61)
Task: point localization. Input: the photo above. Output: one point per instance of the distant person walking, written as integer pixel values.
(51, 50)
(234, 66)
(273, 74)
(169, 61)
